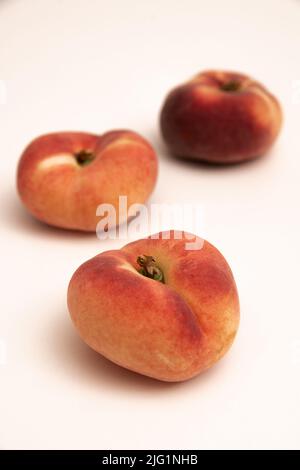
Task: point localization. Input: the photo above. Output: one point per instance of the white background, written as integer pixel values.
(99, 65)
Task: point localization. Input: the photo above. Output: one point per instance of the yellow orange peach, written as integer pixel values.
(156, 307)
(63, 177)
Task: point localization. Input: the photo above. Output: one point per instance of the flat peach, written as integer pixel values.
(156, 308)
(220, 117)
(63, 177)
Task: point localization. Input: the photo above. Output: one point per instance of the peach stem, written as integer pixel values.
(84, 157)
(149, 268)
(232, 85)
